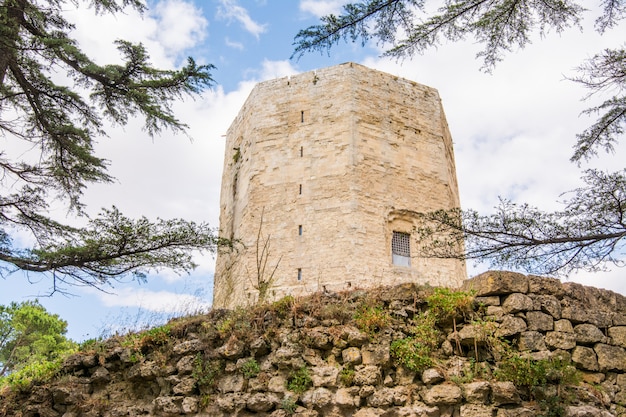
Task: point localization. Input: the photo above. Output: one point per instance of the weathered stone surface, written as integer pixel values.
(504, 392)
(324, 376)
(442, 394)
(101, 375)
(186, 386)
(511, 326)
(260, 402)
(585, 411)
(533, 341)
(497, 283)
(539, 321)
(277, 383)
(610, 358)
(618, 335)
(369, 412)
(347, 397)
(477, 392)
(189, 405)
(544, 285)
(386, 397)
(232, 349)
(517, 302)
(367, 375)
(376, 355)
(492, 300)
(564, 326)
(468, 334)
(146, 371)
(319, 338)
(585, 358)
(185, 364)
(432, 376)
(549, 304)
(293, 132)
(414, 410)
(476, 410)
(351, 356)
(516, 412)
(188, 346)
(170, 405)
(232, 383)
(588, 334)
(560, 340)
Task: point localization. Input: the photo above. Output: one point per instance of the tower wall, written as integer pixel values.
(320, 169)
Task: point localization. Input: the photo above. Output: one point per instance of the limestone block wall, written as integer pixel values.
(241, 363)
(320, 169)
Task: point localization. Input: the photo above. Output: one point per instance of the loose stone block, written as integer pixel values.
(610, 358)
(618, 335)
(588, 334)
(517, 302)
(533, 341)
(539, 321)
(560, 340)
(585, 358)
(497, 283)
(443, 394)
(351, 356)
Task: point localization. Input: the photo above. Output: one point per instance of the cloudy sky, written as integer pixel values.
(513, 131)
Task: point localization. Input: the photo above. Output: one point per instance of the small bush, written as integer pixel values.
(250, 368)
(346, 376)
(411, 353)
(206, 372)
(289, 405)
(371, 319)
(299, 380)
(446, 304)
(35, 372)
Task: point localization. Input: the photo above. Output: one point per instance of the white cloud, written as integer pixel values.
(234, 44)
(230, 9)
(168, 28)
(155, 301)
(276, 69)
(320, 8)
(181, 25)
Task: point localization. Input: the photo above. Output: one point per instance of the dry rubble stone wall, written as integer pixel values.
(526, 346)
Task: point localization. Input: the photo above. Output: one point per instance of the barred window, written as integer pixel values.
(401, 249)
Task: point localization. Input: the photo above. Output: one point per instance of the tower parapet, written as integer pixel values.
(324, 174)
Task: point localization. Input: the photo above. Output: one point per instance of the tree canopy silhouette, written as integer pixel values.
(54, 103)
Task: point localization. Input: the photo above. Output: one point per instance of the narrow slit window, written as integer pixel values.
(301, 151)
(299, 274)
(300, 230)
(302, 117)
(300, 191)
(401, 249)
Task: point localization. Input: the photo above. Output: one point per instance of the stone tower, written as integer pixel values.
(323, 175)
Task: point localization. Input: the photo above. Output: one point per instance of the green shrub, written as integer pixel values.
(346, 376)
(205, 372)
(371, 319)
(299, 380)
(411, 353)
(528, 373)
(250, 368)
(34, 372)
(289, 405)
(446, 304)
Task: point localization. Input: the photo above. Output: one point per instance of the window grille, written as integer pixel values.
(401, 249)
